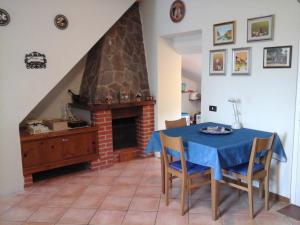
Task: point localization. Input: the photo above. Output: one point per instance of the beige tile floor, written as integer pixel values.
(127, 194)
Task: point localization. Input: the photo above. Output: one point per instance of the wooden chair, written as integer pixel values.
(169, 125)
(182, 169)
(257, 169)
(175, 123)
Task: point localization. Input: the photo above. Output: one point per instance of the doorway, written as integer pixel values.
(188, 45)
(191, 86)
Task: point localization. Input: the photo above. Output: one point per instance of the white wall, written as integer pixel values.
(169, 83)
(191, 66)
(32, 29)
(53, 105)
(150, 37)
(268, 95)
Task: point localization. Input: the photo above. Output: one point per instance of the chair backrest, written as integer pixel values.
(175, 123)
(175, 144)
(265, 146)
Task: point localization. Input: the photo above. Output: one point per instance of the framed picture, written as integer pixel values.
(260, 28)
(224, 33)
(4, 17)
(217, 62)
(61, 22)
(177, 11)
(278, 57)
(241, 61)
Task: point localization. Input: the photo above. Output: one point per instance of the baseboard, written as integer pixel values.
(279, 198)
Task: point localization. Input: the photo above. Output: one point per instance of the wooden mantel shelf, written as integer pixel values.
(97, 107)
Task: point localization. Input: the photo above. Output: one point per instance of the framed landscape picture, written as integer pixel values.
(278, 57)
(241, 61)
(217, 62)
(260, 28)
(224, 33)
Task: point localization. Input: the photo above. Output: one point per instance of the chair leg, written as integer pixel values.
(250, 199)
(239, 182)
(163, 173)
(189, 184)
(261, 189)
(266, 182)
(167, 189)
(183, 195)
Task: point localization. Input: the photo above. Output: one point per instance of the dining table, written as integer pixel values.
(217, 151)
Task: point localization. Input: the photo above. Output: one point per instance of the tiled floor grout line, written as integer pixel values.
(104, 198)
(189, 199)
(32, 214)
(94, 214)
(146, 171)
(157, 209)
(126, 211)
(137, 185)
(99, 204)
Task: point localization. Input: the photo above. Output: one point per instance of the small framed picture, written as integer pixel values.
(260, 28)
(217, 62)
(278, 57)
(61, 22)
(241, 61)
(224, 33)
(177, 11)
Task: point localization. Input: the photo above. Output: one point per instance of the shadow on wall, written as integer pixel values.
(53, 104)
(275, 168)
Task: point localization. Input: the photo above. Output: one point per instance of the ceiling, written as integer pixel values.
(191, 66)
(188, 45)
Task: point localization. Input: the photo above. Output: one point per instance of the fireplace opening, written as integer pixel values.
(124, 133)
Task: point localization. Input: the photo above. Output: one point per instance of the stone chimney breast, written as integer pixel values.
(116, 63)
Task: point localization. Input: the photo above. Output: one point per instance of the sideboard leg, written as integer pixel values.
(28, 181)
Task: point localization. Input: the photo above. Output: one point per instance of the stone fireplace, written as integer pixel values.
(103, 117)
(123, 139)
(116, 65)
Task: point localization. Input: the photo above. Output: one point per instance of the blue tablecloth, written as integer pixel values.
(216, 151)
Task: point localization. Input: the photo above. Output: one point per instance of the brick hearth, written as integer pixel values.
(102, 118)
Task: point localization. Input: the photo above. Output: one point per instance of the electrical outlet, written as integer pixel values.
(213, 108)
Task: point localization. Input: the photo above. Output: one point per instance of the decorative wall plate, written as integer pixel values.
(35, 60)
(61, 22)
(4, 17)
(177, 11)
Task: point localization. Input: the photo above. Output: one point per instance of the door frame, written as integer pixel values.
(295, 179)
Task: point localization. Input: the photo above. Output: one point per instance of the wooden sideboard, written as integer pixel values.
(50, 150)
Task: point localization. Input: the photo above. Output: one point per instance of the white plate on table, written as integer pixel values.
(217, 130)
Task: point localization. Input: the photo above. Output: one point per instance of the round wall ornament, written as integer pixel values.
(177, 11)
(4, 17)
(61, 22)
